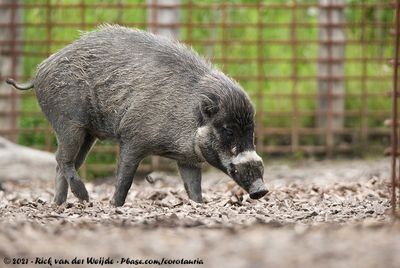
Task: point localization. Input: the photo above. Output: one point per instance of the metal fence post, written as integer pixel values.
(395, 180)
(163, 18)
(331, 39)
(9, 67)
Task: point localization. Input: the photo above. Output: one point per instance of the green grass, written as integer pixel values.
(268, 87)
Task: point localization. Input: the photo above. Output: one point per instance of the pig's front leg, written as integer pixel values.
(128, 162)
(191, 176)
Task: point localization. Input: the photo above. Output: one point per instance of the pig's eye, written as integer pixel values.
(227, 132)
(234, 170)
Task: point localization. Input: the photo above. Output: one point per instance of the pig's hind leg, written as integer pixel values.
(70, 141)
(61, 182)
(191, 176)
(84, 150)
(61, 187)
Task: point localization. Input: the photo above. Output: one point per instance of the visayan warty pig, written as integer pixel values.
(154, 96)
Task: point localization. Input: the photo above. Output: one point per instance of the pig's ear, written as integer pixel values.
(209, 106)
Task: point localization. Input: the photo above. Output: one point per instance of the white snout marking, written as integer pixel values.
(245, 157)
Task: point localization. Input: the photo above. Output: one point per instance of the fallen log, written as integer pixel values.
(19, 163)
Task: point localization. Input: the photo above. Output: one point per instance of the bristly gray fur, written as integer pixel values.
(127, 82)
(149, 93)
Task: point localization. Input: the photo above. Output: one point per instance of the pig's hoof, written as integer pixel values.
(79, 190)
(58, 200)
(60, 195)
(197, 199)
(116, 203)
(82, 195)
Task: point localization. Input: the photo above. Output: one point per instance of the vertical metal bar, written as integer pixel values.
(395, 96)
(120, 12)
(164, 17)
(119, 20)
(294, 120)
(83, 171)
(260, 81)
(189, 22)
(224, 35)
(83, 18)
(154, 22)
(155, 160)
(48, 133)
(329, 115)
(14, 64)
(364, 90)
(330, 78)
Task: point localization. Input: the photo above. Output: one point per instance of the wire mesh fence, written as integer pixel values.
(393, 150)
(318, 71)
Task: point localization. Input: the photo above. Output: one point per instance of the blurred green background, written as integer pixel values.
(374, 28)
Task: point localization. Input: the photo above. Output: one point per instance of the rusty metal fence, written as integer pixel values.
(318, 71)
(394, 122)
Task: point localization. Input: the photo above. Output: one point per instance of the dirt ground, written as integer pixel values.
(317, 214)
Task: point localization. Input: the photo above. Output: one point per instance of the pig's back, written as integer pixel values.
(115, 70)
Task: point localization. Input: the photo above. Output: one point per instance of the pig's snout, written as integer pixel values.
(257, 189)
(247, 170)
